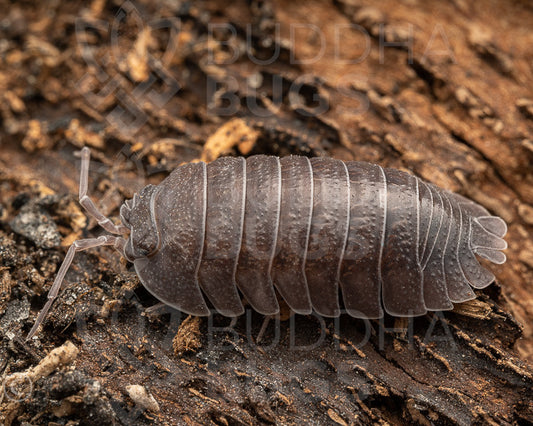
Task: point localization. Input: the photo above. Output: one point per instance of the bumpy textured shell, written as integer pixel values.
(315, 230)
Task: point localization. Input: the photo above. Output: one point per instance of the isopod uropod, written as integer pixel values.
(310, 228)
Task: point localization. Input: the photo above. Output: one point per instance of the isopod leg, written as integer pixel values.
(79, 245)
(88, 204)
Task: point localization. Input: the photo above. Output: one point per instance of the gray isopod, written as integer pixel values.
(310, 228)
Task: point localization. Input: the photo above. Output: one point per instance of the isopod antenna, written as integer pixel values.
(85, 244)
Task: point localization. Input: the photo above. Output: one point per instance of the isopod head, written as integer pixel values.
(138, 216)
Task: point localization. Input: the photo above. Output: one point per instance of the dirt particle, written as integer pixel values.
(36, 225)
(142, 398)
(17, 311)
(187, 338)
(36, 136)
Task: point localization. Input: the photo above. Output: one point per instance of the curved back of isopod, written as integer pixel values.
(320, 232)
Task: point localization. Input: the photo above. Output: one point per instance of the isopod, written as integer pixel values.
(312, 229)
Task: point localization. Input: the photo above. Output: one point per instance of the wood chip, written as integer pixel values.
(142, 398)
(233, 133)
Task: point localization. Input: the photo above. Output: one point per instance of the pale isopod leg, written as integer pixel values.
(79, 245)
(266, 321)
(88, 204)
(155, 307)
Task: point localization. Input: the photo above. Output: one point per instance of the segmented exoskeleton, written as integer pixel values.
(313, 229)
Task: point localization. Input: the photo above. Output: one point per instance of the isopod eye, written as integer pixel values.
(147, 243)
